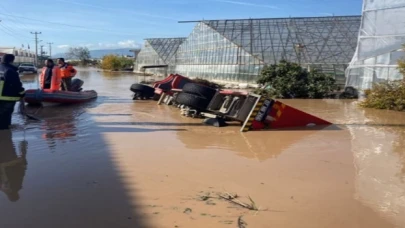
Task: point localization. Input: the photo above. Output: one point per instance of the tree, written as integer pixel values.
(114, 62)
(79, 53)
(286, 79)
(290, 80)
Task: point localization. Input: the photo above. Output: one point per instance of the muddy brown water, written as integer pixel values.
(118, 163)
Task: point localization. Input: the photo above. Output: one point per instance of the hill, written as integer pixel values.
(98, 54)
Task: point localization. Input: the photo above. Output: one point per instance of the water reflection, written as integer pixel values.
(12, 166)
(31, 79)
(108, 74)
(393, 124)
(378, 150)
(60, 124)
(59, 129)
(255, 145)
(83, 74)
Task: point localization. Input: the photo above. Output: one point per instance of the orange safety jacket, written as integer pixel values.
(55, 81)
(67, 71)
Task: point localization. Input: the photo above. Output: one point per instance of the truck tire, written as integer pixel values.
(147, 91)
(192, 100)
(200, 90)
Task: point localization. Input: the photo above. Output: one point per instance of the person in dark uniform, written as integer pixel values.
(12, 166)
(11, 90)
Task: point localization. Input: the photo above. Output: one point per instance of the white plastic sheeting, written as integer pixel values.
(381, 36)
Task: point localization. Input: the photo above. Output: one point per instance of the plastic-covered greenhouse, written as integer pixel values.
(381, 37)
(237, 50)
(157, 52)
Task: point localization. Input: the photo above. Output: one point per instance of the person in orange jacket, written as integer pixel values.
(50, 77)
(68, 72)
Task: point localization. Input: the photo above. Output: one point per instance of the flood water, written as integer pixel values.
(118, 163)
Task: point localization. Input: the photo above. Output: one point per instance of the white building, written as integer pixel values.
(21, 55)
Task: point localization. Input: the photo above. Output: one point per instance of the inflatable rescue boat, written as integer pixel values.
(47, 96)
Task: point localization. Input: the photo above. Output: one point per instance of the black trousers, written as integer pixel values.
(6, 113)
(66, 84)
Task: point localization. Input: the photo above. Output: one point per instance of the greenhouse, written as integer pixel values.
(380, 41)
(157, 52)
(237, 50)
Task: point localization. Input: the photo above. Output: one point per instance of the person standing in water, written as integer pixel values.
(50, 77)
(11, 90)
(67, 72)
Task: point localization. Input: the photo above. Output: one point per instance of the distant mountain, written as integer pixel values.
(98, 54)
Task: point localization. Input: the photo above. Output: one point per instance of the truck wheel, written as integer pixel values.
(200, 90)
(146, 90)
(192, 100)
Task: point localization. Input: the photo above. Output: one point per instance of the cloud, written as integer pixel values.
(246, 4)
(108, 45)
(63, 46)
(128, 43)
(104, 45)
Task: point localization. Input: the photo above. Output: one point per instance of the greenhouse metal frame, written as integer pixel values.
(380, 41)
(236, 50)
(157, 51)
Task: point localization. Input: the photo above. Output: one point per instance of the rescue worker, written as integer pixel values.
(50, 77)
(67, 72)
(11, 90)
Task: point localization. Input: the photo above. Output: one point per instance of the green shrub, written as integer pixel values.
(266, 92)
(319, 85)
(386, 95)
(207, 83)
(290, 80)
(114, 62)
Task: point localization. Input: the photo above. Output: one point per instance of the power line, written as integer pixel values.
(36, 46)
(13, 31)
(13, 19)
(49, 22)
(87, 29)
(9, 32)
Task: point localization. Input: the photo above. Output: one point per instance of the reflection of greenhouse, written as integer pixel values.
(236, 50)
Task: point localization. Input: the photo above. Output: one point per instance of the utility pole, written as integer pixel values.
(42, 52)
(36, 46)
(50, 49)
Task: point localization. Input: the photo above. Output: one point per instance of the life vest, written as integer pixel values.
(10, 85)
(67, 71)
(55, 80)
